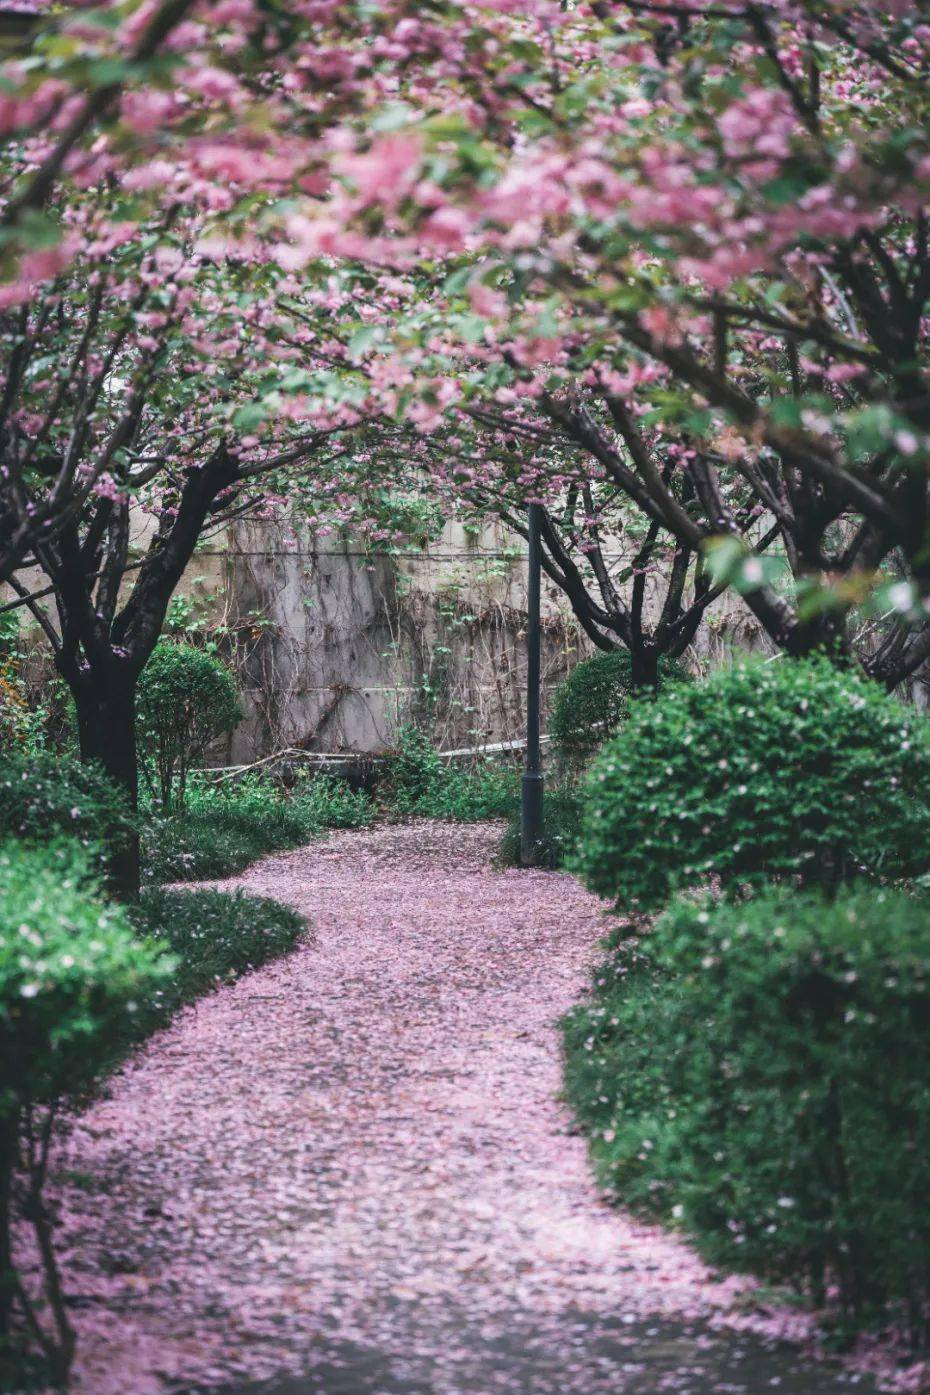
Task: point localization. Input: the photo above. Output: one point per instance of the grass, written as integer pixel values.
(216, 935)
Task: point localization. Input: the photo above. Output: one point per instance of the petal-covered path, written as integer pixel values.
(349, 1174)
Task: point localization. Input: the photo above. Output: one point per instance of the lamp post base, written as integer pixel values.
(531, 816)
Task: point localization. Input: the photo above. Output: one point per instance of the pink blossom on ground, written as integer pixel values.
(352, 1168)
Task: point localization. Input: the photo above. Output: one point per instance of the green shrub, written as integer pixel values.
(186, 699)
(71, 970)
(46, 794)
(219, 832)
(215, 937)
(413, 770)
(224, 827)
(561, 820)
(325, 801)
(762, 1075)
(792, 769)
(74, 980)
(418, 781)
(469, 794)
(594, 699)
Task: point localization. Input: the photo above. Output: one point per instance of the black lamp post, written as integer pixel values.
(531, 801)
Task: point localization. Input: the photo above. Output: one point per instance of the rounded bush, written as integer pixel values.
(186, 699)
(793, 769)
(760, 1073)
(594, 699)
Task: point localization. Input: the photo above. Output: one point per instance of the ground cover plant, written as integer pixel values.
(797, 770)
(226, 825)
(418, 781)
(215, 936)
(759, 1074)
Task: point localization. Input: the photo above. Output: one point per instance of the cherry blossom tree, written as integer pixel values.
(161, 359)
(733, 195)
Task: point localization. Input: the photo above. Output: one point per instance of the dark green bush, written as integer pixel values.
(594, 699)
(792, 769)
(71, 970)
(215, 937)
(468, 794)
(186, 699)
(413, 769)
(325, 801)
(46, 794)
(761, 1074)
(561, 821)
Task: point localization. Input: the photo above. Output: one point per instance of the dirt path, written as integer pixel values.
(349, 1173)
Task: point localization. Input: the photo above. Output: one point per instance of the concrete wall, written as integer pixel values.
(335, 648)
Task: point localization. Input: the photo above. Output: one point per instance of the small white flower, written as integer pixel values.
(901, 596)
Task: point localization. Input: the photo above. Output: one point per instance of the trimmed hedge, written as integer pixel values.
(81, 982)
(760, 1074)
(72, 972)
(788, 770)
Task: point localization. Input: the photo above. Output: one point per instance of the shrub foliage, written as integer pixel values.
(762, 1074)
(796, 769)
(561, 819)
(418, 781)
(594, 699)
(224, 827)
(215, 937)
(73, 977)
(187, 699)
(45, 794)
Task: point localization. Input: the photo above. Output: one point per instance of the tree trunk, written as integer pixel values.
(8, 1149)
(644, 667)
(106, 717)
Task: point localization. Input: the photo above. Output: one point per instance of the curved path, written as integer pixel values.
(349, 1173)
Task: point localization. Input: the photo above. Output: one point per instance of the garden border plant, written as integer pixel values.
(81, 983)
(759, 1074)
(186, 699)
(71, 971)
(595, 698)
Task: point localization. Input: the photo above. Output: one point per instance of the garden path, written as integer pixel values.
(349, 1173)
